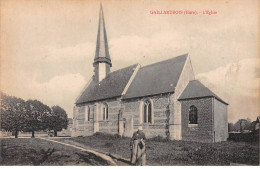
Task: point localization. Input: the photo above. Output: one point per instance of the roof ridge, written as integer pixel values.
(124, 68)
(186, 54)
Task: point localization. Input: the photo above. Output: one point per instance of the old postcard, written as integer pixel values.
(129, 83)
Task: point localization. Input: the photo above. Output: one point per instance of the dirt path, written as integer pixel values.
(42, 152)
(120, 161)
(103, 156)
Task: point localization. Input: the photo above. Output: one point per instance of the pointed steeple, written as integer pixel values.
(102, 52)
(102, 61)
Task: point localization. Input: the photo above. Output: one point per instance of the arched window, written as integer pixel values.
(81, 115)
(88, 114)
(105, 111)
(193, 115)
(147, 112)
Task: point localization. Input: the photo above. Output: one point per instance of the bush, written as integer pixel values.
(159, 139)
(107, 136)
(247, 137)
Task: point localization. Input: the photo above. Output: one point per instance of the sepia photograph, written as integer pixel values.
(129, 83)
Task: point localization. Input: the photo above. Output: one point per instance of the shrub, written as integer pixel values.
(247, 137)
(107, 136)
(159, 139)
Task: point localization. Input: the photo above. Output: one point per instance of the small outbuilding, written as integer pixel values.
(204, 114)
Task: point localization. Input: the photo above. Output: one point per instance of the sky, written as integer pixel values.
(48, 47)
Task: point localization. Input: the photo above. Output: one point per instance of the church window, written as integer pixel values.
(81, 115)
(193, 115)
(87, 114)
(147, 112)
(105, 111)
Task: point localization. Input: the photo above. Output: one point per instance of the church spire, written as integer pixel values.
(102, 62)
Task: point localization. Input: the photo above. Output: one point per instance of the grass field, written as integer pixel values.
(164, 152)
(33, 151)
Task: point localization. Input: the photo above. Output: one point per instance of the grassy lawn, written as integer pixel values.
(33, 151)
(163, 152)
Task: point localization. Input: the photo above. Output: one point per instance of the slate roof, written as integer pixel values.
(195, 89)
(158, 78)
(110, 87)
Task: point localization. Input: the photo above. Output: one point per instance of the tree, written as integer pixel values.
(12, 114)
(36, 116)
(230, 127)
(242, 124)
(58, 119)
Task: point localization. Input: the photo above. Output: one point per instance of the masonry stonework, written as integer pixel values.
(83, 127)
(203, 131)
(111, 124)
(175, 117)
(211, 127)
(220, 121)
(133, 113)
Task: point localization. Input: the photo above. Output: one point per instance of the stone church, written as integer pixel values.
(163, 98)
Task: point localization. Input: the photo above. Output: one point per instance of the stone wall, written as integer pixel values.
(133, 115)
(220, 121)
(81, 125)
(175, 115)
(203, 131)
(130, 115)
(84, 126)
(111, 124)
